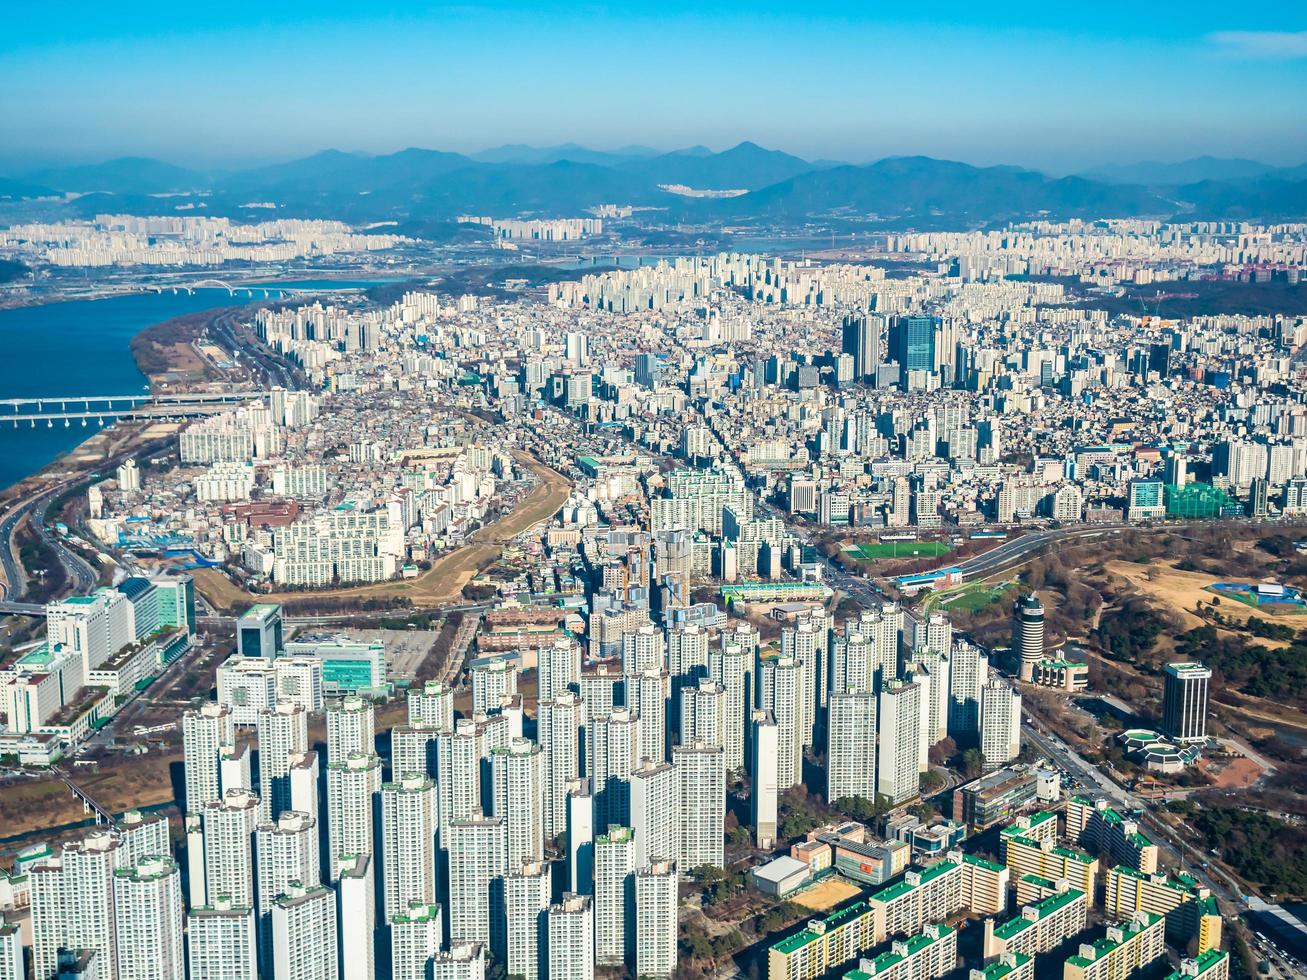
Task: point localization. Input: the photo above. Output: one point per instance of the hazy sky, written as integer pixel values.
(1051, 84)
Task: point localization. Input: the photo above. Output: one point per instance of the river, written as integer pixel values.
(82, 347)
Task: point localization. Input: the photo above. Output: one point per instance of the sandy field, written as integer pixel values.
(826, 894)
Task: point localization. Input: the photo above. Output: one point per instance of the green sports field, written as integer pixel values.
(900, 549)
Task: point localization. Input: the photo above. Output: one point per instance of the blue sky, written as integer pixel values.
(1053, 85)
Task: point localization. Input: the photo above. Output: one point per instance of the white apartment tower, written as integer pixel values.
(1000, 724)
(898, 770)
(647, 692)
(517, 777)
(356, 915)
(614, 900)
(526, 906)
(283, 731)
(572, 938)
(408, 844)
(491, 681)
(415, 939)
(782, 695)
(221, 943)
(655, 812)
(701, 772)
(304, 934)
(558, 669)
(580, 836)
(478, 860)
(764, 800)
(558, 729)
(432, 704)
(148, 920)
(351, 727)
(285, 851)
(205, 733)
(352, 787)
(229, 848)
(655, 919)
(732, 668)
(72, 904)
(851, 760)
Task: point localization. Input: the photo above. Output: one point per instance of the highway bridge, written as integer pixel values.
(71, 408)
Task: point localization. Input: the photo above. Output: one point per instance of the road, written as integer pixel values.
(80, 573)
(271, 371)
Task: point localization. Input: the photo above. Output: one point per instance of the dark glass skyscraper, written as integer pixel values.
(912, 343)
(861, 341)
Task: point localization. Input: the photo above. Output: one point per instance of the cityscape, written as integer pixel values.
(553, 562)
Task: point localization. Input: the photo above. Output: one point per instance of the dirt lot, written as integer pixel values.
(1182, 591)
(826, 894)
(444, 583)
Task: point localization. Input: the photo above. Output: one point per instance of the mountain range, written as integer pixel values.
(750, 183)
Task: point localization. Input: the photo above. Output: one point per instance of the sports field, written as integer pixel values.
(968, 598)
(900, 549)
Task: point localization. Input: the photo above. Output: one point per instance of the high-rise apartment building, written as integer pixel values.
(478, 860)
(763, 798)
(304, 934)
(614, 898)
(851, 759)
(572, 937)
(221, 942)
(205, 733)
(1000, 724)
(283, 730)
(352, 787)
(408, 844)
(147, 904)
(655, 812)
(898, 766)
(655, 919)
(518, 782)
(526, 908)
(701, 774)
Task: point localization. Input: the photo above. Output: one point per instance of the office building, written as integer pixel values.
(1028, 635)
(1184, 701)
(259, 632)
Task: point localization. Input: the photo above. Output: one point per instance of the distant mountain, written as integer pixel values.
(1176, 174)
(745, 166)
(126, 175)
(521, 153)
(1267, 199)
(921, 187)
(16, 189)
(425, 189)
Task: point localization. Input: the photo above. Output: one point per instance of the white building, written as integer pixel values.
(526, 906)
(614, 901)
(701, 773)
(205, 733)
(148, 920)
(304, 934)
(898, 766)
(655, 920)
(571, 938)
(352, 786)
(408, 844)
(477, 848)
(1000, 724)
(221, 943)
(518, 781)
(851, 760)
